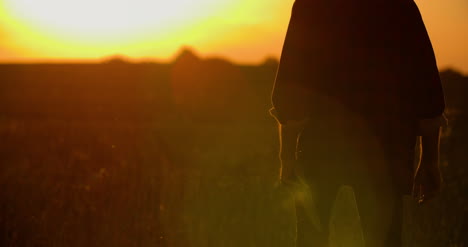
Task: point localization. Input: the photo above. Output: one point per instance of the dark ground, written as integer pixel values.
(180, 154)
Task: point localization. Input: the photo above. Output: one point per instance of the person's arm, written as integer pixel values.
(428, 178)
(288, 133)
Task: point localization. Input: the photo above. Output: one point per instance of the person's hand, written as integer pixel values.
(427, 182)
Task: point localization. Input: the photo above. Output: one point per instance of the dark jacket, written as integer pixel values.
(371, 56)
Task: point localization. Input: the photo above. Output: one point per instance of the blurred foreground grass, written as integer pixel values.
(98, 177)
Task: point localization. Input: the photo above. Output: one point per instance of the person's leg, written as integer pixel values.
(315, 196)
(381, 217)
(312, 217)
(401, 146)
(326, 159)
(394, 234)
(380, 196)
(307, 233)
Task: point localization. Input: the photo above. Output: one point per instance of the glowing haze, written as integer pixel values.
(243, 30)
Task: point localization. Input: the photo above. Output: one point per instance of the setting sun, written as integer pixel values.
(139, 28)
(109, 20)
(241, 30)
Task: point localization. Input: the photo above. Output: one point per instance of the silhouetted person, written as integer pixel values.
(357, 83)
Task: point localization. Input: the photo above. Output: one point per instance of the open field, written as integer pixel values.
(144, 155)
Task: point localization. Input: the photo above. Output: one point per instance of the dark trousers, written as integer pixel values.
(375, 159)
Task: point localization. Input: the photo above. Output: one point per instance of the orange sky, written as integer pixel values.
(245, 31)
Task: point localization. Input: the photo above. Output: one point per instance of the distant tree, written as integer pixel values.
(116, 59)
(211, 88)
(456, 88)
(186, 55)
(270, 62)
(451, 75)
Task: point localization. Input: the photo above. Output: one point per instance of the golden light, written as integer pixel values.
(107, 20)
(241, 30)
(96, 28)
(92, 29)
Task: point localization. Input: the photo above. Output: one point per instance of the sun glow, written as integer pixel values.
(241, 30)
(105, 20)
(54, 30)
(91, 28)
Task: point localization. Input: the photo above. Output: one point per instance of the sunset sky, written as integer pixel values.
(245, 31)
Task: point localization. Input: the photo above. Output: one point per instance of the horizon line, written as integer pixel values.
(136, 60)
(121, 58)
